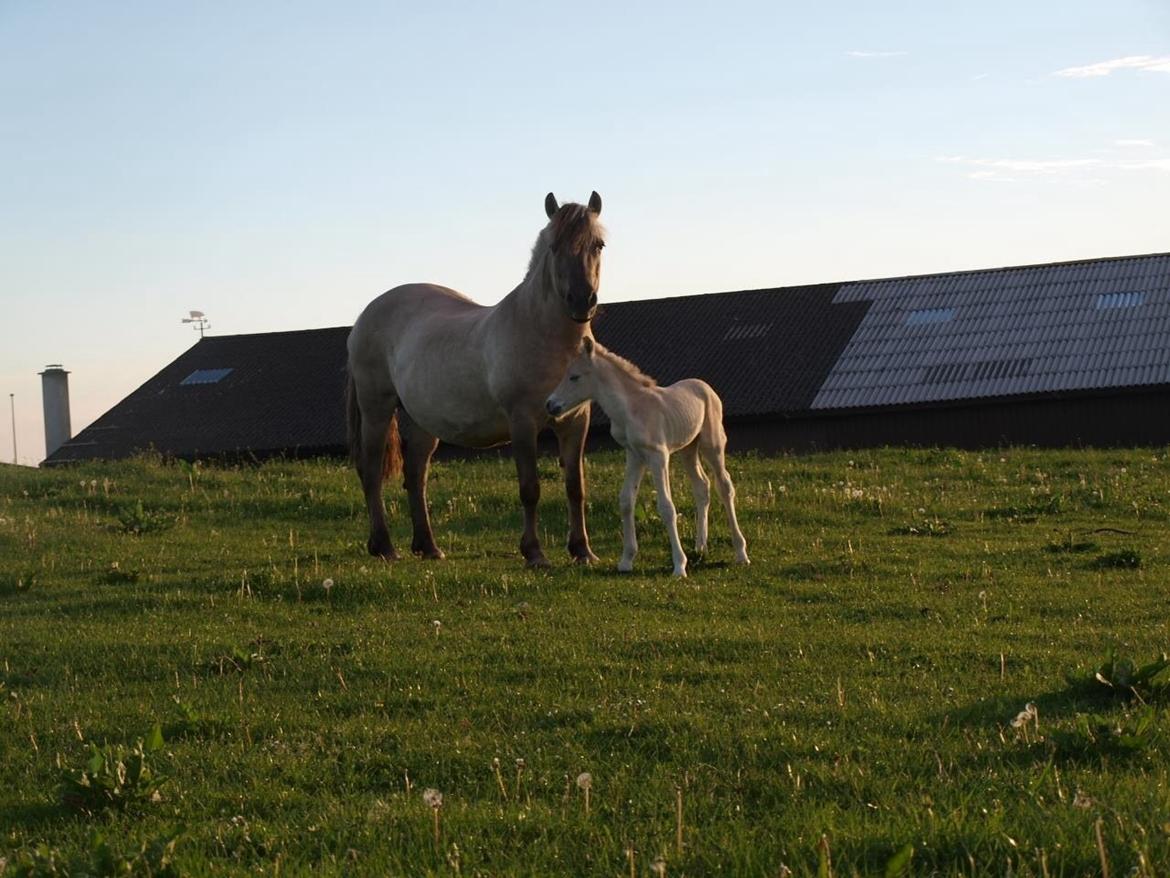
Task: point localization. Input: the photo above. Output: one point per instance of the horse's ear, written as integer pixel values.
(595, 202)
(550, 205)
(587, 345)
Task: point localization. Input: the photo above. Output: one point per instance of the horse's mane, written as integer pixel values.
(573, 225)
(625, 365)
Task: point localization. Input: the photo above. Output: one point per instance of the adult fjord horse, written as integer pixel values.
(426, 363)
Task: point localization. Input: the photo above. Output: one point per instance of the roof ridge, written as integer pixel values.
(898, 277)
(1030, 265)
(276, 332)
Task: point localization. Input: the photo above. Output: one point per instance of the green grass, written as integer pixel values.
(856, 684)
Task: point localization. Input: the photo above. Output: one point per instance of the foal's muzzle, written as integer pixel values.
(553, 407)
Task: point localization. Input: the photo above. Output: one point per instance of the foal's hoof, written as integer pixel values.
(587, 558)
(537, 562)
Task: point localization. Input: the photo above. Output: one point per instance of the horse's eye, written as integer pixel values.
(597, 248)
(574, 377)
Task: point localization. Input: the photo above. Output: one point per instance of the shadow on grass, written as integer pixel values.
(35, 816)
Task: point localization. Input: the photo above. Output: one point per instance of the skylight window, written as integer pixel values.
(925, 316)
(206, 376)
(1109, 301)
(984, 370)
(747, 330)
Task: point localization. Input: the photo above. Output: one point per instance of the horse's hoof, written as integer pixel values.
(743, 559)
(385, 551)
(625, 567)
(537, 562)
(587, 558)
(429, 553)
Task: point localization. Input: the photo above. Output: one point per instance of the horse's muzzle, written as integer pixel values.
(553, 408)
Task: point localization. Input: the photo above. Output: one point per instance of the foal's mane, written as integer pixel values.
(573, 225)
(625, 365)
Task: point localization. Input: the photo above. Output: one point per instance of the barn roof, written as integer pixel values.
(933, 339)
(1006, 332)
(234, 394)
(764, 351)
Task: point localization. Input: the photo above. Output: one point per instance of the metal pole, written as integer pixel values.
(12, 405)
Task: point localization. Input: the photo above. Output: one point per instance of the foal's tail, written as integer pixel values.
(391, 455)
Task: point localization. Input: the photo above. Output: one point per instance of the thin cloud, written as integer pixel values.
(1023, 166)
(856, 53)
(1150, 165)
(1133, 141)
(1148, 63)
(1078, 170)
(992, 177)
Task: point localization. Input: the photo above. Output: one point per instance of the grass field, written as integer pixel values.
(180, 692)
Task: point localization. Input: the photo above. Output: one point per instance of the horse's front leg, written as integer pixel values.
(572, 431)
(629, 500)
(659, 463)
(524, 431)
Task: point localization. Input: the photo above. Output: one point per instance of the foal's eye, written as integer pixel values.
(598, 246)
(574, 377)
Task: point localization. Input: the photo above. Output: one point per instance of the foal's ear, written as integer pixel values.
(550, 205)
(595, 202)
(587, 345)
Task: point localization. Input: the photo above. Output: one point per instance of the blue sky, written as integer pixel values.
(277, 165)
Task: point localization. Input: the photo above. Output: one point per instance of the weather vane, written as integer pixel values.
(199, 319)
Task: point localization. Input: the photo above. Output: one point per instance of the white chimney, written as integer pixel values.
(55, 390)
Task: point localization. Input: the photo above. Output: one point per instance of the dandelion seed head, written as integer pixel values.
(327, 584)
(584, 780)
(1025, 716)
(433, 798)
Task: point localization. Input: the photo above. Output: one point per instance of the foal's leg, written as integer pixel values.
(524, 432)
(702, 491)
(629, 499)
(417, 447)
(659, 463)
(715, 457)
(376, 412)
(571, 432)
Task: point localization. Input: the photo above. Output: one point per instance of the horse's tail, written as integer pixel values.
(392, 454)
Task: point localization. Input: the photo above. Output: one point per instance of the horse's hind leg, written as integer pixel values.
(417, 448)
(702, 491)
(375, 425)
(713, 447)
(571, 433)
